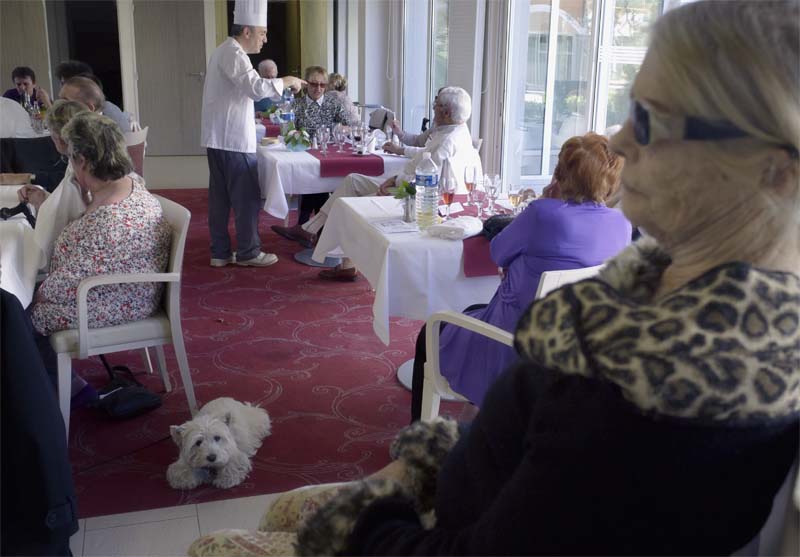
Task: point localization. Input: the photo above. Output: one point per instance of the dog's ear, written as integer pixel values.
(176, 431)
(227, 419)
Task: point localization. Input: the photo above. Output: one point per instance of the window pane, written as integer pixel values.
(574, 68)
(619, 87)
(632, 21)
(440, 45)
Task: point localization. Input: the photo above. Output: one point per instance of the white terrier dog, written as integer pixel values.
(216, 445)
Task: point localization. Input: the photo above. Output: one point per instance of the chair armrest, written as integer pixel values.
(464, 321)
(99, 280)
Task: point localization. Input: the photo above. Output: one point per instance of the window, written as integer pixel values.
(570, 67)
(425, 54)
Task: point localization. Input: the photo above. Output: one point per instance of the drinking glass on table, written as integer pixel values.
(339, 136)
(447, 189)
(491, 191)
(479, 196)
(470, 178)
(515, 197)
(324, 137)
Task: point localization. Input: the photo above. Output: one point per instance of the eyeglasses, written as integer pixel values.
(651, 125)
(316, 84)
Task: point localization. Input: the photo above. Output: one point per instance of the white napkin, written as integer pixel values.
(457, 229)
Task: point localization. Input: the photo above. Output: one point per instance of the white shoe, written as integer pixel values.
(223, 262)
(260, 260)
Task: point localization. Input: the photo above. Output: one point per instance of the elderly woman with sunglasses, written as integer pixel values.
(655, 410)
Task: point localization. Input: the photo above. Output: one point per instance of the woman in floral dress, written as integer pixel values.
(122, 231)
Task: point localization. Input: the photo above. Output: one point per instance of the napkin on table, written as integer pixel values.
(457, 229)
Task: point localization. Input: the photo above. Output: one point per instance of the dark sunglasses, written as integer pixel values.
(651, 125)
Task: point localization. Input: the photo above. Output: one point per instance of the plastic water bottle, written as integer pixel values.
(287, 112)
(427, 184)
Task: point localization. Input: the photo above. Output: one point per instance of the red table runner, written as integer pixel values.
(477, 257)
(347, 162)
(273, 130)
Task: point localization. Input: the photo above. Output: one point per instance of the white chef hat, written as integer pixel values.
(250, 12)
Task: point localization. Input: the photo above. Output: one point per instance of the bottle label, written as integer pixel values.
(427, 181)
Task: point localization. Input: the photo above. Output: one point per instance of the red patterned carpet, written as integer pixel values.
(300, 347)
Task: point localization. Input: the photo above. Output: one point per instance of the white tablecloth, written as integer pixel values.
(282, 172)
(413, 274)
(19, 254)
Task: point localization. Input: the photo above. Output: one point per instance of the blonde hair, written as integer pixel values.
(337, 82)
(100, 142)
(739, 61)
(62, 112)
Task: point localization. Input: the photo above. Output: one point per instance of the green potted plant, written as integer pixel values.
(407, 192)
(296, 140)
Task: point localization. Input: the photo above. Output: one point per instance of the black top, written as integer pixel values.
(558, 464)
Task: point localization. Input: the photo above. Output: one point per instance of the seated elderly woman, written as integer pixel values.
(317, 109)
(656, 407)
(122, 231)
(573, 230)
(66, 203)
(337, 88)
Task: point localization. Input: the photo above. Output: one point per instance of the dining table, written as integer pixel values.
(413, 274)
(282, 173)
(19, 253)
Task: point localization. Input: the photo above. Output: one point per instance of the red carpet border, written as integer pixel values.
(301, 348)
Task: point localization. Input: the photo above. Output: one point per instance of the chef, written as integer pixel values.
(228, 133)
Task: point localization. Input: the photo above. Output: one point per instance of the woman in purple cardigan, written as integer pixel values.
(568, 229)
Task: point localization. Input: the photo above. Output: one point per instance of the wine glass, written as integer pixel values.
(515, 197)
(323, 136)
(339, 136)
(491, 192)
(447, 189)
(470, 177)
(479, 196)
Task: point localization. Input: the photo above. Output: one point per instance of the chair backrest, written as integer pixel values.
(477, 143)
(137, 143)
(379, 117)
(550, 280)
(178, 218)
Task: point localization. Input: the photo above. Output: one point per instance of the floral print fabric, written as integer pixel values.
(131, 236)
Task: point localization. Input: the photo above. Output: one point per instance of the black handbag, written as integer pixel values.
(124, 397)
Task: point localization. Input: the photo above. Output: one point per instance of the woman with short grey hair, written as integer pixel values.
(122, 231)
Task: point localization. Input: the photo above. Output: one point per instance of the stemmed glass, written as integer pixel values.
(479, 196)
(491, 191)
(470, 177)
(323, 136)
(515, 196)
(447, 189)
(339, 136)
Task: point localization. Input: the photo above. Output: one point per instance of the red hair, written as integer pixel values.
(587, 170)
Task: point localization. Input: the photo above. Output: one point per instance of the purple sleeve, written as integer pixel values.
(510, 243)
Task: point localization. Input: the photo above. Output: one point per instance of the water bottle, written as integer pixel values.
(427, 184)
(287, 112)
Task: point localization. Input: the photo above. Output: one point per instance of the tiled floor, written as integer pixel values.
(164, 532)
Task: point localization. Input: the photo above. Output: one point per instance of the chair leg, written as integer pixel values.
(65, 388)
(183, 366)
(162, 367)
(430, 397)
(148, 365)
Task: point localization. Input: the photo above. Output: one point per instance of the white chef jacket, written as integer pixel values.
(232, 84)
(451, 141)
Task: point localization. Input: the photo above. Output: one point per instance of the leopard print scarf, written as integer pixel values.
(724, 347)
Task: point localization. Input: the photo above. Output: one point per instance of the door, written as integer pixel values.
(170, 66)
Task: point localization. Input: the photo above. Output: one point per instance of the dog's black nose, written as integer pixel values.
(211, 457)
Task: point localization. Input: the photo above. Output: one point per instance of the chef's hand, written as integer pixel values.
(293, 83)
(34, 195)
(390, 147)
(384, 187)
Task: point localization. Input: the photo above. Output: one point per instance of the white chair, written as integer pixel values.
(434, 385)
(162, 328)
(136, 142)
